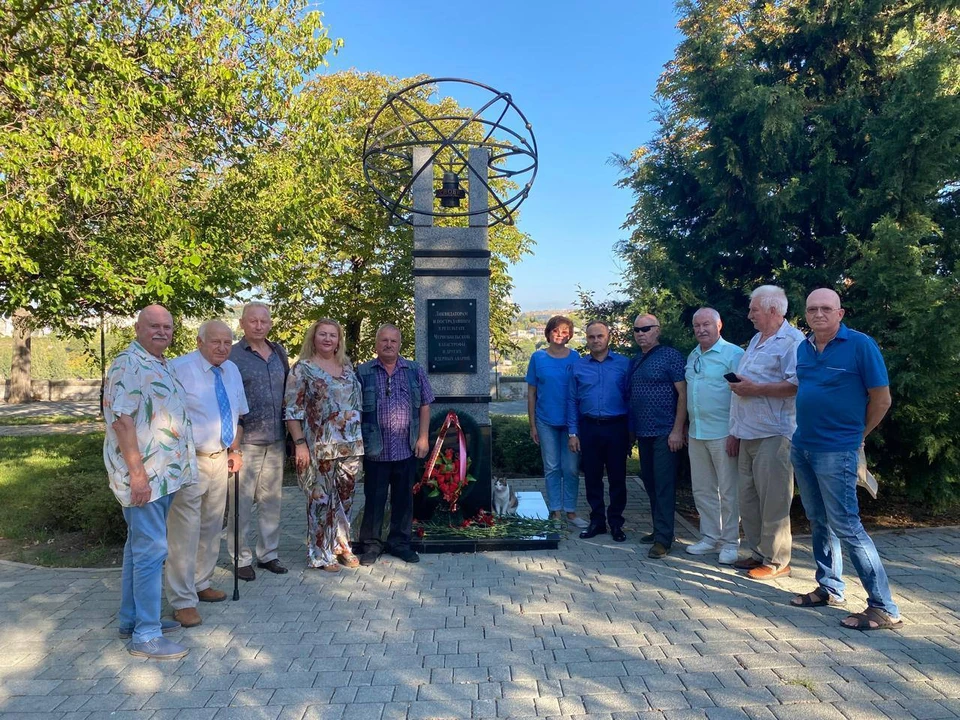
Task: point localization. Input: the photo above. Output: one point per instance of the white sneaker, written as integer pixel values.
(578, 522)
(729, 555)
(704, 547)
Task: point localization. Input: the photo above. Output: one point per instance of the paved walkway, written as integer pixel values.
(71, 408)
(591, 630)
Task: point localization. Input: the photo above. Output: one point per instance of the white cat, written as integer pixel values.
(504, 498)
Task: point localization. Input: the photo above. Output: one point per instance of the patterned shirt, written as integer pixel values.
(144, 388)
(708, 393)
(653, 394)
(393, 409)
(770, 361)
(263, 383)
(329, 408)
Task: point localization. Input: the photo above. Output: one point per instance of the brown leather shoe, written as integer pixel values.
(187, 617)
(765, 572)
(246, 573)
(211, 595)
(747, 563)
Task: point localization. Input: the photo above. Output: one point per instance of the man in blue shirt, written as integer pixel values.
(658, 412)
(713, 451)
(597, 428)
(843, 394)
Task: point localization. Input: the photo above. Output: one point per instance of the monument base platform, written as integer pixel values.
(530, 505)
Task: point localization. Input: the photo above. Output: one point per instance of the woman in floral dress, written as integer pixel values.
(322, 405)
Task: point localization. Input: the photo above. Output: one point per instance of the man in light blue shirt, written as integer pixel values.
(713, 451)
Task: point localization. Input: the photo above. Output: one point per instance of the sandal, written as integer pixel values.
(348, 560)
(818, 598)
(872, 619)
(332, 568)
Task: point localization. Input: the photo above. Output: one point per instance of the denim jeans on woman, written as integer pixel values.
(828, 488)
(560, 468)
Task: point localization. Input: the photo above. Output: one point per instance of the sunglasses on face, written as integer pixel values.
(644, 328)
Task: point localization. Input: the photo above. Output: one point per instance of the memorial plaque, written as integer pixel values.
(452, 336)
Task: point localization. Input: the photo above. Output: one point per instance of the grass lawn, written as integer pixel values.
(56, 508)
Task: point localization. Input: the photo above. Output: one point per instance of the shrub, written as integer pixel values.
(514, 453)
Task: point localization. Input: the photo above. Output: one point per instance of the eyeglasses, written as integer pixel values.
(644, 328)
(697, 364)
(389, 384)
(821, 309)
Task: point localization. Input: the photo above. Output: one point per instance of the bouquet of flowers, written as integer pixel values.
(445, 475)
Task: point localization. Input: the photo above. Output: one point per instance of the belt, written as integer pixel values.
(591, 420)
(218, 453)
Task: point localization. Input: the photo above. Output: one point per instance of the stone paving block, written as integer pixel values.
(664, 700)
(185, 714)
(807, 712)
(434, 710)
(514, 707)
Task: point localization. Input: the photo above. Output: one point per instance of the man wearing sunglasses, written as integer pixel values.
(658, 412)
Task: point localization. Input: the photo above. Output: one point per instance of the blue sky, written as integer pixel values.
(583, 74)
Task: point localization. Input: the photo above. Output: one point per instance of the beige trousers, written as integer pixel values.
(261, 482)
(194, 527)
(766, 492)
(716, 485)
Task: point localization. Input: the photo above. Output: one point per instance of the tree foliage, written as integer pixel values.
(813, 143)
(117, 121)
(333, 249)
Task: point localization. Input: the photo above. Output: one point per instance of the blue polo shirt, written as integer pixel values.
(597, 389)
(832, 390)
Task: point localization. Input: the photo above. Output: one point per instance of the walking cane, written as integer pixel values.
(236, 536)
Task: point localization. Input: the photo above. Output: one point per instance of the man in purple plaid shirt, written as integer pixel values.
(395, 426)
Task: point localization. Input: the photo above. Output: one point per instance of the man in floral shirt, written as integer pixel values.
(149, 455)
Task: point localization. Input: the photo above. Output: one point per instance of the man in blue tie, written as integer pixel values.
(215, 401)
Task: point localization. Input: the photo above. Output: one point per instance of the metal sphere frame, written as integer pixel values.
(388, 153)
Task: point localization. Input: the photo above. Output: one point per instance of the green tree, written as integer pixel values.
(333, 249)
(817, 143)
(117, 121)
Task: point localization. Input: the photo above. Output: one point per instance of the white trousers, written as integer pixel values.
(261, 482)
(715, 479)
(194, 526)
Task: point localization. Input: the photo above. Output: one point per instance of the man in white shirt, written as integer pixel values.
(763, 415)
(215, 401)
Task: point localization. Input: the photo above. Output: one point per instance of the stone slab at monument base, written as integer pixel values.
(531, 505)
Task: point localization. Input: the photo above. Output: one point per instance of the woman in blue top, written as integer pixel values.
(547, 379)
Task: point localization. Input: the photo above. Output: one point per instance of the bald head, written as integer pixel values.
(824, 313)
(154, 329)
(646, 331)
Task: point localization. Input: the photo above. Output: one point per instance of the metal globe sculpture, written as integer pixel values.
(425, 114)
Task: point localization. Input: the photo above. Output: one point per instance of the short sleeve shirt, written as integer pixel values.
(551, 377)
(832, 394)
(145, 388)
(329, 408)
(653, 395)
(708, 393)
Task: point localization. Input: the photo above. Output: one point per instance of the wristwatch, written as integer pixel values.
(301, 441)
(235, 452)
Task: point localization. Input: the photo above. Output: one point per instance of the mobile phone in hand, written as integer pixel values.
(731, 377)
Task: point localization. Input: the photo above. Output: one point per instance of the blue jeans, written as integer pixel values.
(828, 489)
(141, 582)
(560, 468)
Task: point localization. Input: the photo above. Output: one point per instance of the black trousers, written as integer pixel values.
(658, 470)
(605, 444)
(397, 477)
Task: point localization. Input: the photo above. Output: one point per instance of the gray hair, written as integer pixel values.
(388, 326)
(597, 322)
(708, 311)
(254, 304)
(210, 324)
(771, 296)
